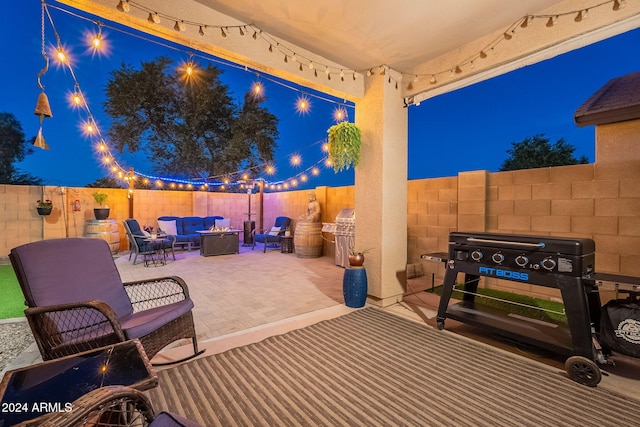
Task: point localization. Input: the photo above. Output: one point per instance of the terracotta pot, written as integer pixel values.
(356, 260)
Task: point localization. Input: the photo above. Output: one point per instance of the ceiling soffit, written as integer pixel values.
(347, 38)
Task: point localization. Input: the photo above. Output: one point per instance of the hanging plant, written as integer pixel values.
(345, 141)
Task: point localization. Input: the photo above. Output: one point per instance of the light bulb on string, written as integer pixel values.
(96, 40)
(325, 147)
(61, 55)
(76, 98)
(315, 171)
(295, 159)
(339, 114)
(257, 90)
(302, 104)
(303, 178)
(270, 169)
(123, 6)
(154, 18)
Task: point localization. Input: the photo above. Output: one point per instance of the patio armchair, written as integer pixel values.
(272, 236)
(77, 301)
(139, 243)
(111, 406)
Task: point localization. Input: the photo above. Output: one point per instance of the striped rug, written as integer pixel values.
(374, 368)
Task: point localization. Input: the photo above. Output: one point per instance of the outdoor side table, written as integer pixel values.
(286, 244)
(54, 385)
(354, 286)
(157, 255)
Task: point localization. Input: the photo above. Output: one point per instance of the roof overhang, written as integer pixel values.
(425, 48)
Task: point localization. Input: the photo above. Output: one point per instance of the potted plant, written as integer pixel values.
(356, 257)
(345, 141)
(103, 211)
(44, 207)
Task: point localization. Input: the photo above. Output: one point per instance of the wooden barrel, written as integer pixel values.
(307, 239)
(105, 229)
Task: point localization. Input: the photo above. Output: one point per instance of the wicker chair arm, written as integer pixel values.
(100, 307)
(64, 329)
(150, 293)
(105, 406)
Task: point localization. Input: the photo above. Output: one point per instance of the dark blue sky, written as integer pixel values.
(468, 129)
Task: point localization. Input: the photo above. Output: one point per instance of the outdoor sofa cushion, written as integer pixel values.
(187, 227)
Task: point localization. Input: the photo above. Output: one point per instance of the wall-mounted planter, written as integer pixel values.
(45, 211)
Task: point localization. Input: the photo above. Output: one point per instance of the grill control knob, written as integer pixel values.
(497, 257)
(548, 264)
(476, 255)
(522, 260)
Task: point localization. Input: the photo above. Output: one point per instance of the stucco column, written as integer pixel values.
(381, 189)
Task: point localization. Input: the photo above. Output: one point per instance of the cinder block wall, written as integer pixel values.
(598, 201)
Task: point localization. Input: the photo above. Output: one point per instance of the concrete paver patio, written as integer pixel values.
(232, 293)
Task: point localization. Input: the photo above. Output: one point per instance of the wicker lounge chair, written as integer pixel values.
(77, 300)
(112, 406)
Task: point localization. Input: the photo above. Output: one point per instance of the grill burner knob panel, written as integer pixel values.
(548, 264)
(522, 260)
(497, 257)
(476, 255)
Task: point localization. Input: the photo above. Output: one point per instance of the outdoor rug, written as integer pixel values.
(373, 368)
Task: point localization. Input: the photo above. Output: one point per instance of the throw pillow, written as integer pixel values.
(223, 223)
(168, 227)
(274, 231)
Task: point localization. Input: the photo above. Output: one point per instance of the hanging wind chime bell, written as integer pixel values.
(42, 110)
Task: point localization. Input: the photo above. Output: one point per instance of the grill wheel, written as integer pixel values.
(583, 370)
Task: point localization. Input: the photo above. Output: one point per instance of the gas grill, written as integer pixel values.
(563, 263)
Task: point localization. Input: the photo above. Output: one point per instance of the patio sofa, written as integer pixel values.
(186, 228)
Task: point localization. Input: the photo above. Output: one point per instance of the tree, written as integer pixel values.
(538, 152)
(14, 148)
(188, 128)
(105, 182)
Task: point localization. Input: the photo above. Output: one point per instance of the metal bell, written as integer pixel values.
(42, 106)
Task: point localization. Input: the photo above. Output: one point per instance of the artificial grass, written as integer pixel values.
(536, 308)
(11, 298)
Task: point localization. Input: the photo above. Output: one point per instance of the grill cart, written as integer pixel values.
(566, 264)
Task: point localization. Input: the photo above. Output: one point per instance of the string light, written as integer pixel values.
(154, 18)
(90, 127)
(123, 6)
(295, 160)
(61, 55)
(302, 104)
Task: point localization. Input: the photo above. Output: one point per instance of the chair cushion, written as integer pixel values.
(262, 238)
(76, 269)
(169, 227)
(139, 324)
(168, 419)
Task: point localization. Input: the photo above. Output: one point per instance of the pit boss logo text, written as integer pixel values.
(503, 274)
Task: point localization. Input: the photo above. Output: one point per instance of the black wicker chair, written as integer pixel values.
(77, 300)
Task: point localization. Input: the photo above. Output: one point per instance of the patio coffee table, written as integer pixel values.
(30, 392)
(219, 242)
